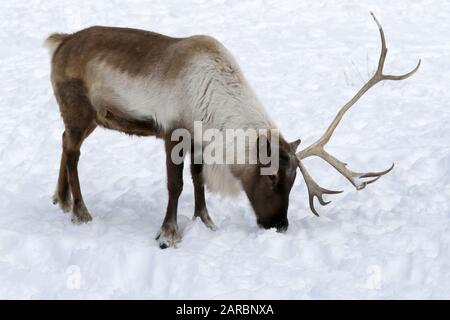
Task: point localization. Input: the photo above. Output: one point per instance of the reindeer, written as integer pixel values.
(147, 84)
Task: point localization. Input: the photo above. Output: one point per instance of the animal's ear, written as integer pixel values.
(294, 144)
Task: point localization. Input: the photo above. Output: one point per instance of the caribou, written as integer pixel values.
(148, 84)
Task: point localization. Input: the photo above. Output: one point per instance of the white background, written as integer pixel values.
(304, 59)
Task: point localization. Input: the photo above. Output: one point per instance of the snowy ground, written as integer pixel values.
(304, 60)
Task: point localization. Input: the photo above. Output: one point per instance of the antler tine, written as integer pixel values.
(383, 52)
(358, 180)
(379, 73)
(314, 190)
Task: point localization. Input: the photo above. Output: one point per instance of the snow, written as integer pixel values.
(304, 60)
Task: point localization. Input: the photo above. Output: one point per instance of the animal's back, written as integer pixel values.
(131, 50)
(129, 70)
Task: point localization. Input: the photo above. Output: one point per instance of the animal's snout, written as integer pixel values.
(280, 224)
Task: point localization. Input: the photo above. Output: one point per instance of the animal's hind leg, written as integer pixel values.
(72, 144)
(62, 195)
(79, 120)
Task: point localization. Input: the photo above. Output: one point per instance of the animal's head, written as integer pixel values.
(269, 194)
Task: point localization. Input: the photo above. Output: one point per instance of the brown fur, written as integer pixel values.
(269, 194)
(136, 52)
(115, 120)
(139, 52)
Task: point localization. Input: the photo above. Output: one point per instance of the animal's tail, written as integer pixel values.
(54, 41)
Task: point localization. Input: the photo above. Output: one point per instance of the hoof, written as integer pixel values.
(81, 215)
(77, 219)
(206, 219)
(65, 205)
(168, 237)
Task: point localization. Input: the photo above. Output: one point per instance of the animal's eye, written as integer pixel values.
(284, 160)
(273, 178)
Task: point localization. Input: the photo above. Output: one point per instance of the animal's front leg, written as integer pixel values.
(199, 193)
(169, 234)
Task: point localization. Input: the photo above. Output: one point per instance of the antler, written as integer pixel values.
(359, 180)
